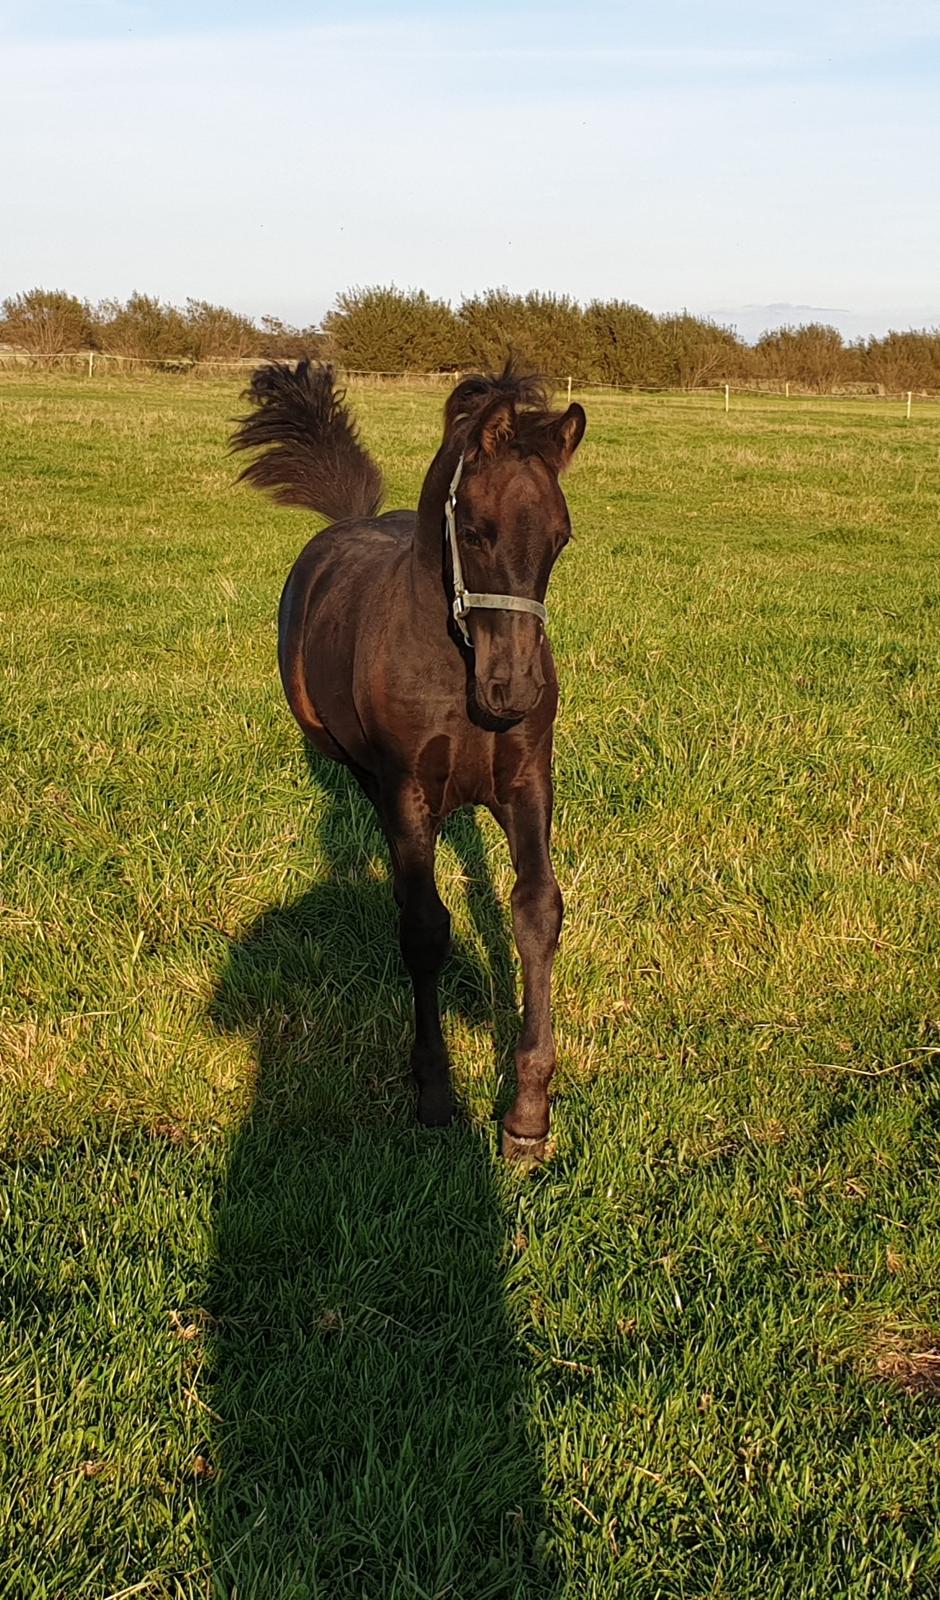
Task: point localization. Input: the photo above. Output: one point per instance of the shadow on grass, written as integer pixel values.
(372, 1400)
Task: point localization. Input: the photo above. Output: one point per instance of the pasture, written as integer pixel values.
(262, 1338)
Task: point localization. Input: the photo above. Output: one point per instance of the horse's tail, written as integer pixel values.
(307, 444)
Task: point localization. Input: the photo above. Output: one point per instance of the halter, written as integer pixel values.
(464, 600)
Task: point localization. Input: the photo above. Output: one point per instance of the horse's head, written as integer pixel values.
(510, 521)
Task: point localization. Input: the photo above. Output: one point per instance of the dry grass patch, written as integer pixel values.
(904, 1358)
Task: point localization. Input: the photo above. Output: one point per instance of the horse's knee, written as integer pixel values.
(424, 932)
(537, 906)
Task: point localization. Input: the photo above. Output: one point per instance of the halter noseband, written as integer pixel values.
(465, 600)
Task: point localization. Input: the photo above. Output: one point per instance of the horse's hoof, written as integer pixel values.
(527, 1154)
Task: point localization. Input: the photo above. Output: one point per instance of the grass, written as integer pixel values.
(263, 1338)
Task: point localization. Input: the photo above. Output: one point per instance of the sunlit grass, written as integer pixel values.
(262, 1337)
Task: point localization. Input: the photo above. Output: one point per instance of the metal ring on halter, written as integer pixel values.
(465, 600)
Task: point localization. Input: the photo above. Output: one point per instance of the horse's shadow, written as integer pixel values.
(369, 1390)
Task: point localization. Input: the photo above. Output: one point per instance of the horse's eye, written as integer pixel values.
(471, 537)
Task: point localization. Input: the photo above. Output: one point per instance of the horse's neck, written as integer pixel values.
(427, 558)
(429, 524)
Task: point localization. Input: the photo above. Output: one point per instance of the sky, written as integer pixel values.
(735, 157)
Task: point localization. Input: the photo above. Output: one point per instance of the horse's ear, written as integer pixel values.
(496, 426)
(568, 432)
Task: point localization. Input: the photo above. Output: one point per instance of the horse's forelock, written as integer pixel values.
(526, 390)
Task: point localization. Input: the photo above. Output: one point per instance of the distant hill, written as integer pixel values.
(752, 321)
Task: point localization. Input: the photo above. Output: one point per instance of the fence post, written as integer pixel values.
(569, 391)
(727, 397)
(909, 393)
(91, 363)
(786, 390)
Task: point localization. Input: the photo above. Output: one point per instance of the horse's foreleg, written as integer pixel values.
(424, 932)
(536, 920)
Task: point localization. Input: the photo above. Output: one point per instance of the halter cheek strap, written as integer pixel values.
(465, 600)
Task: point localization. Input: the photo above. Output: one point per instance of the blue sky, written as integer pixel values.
(713, 155)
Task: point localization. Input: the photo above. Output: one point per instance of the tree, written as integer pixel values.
(902, 361)
(213, 333)
(143, 327)
(385, 329)
(281, 342)
(48, 321)
(700, 351)
(813, 354)
(543, 331)
(626, 345)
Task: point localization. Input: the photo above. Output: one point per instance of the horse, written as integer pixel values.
(435, 695)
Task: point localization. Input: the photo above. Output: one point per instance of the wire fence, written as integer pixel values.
(98, 361)
(92, 363)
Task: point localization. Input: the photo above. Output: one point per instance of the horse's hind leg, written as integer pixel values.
(424, 930)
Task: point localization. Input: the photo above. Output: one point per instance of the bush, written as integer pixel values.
(143, 327)
(213, 333)
(814, 355)
(700, 351)
(280, 342)
(902, 361)
(376, 329)
(546, 332)
(48, 321)
(625, 345)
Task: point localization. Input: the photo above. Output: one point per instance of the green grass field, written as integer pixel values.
(261, 1337)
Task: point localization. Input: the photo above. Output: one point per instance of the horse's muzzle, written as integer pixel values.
(508, 702)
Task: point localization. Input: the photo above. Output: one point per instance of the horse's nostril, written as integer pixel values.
(504, 698)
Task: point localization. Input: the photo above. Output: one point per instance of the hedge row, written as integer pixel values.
(379, 329)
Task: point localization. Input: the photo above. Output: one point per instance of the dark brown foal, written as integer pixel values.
(412, 648)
